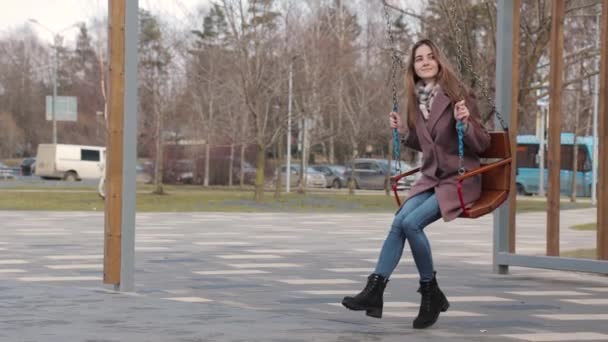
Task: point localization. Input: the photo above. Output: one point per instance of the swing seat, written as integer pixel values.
(495, 171)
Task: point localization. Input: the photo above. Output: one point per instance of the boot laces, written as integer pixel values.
(368, 288)
(425, 303)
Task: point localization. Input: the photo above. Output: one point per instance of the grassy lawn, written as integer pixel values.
(193, 198)
(585, 226)
(190, 200)
(580, 253)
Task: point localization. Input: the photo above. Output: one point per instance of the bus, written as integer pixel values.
(528, 165)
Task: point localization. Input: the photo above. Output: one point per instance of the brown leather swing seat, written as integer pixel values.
(495, 170)
(495, 173)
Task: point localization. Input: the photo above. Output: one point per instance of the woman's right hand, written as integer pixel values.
(395, 122)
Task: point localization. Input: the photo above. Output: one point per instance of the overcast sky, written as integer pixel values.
(57, 15)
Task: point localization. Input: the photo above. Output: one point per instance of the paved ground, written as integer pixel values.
(280, 277)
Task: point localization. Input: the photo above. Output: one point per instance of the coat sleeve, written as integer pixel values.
(475, 137)
(411, 140)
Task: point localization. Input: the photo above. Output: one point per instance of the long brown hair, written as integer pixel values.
(446, 78)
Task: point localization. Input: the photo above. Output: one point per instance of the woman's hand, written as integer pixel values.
(461, 112)
(395, 122)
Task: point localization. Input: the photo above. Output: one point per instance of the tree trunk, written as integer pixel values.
(351, 181)
(279, 159)
(231, 165)
(208, 144)
(304, 159)
(331, 155)
(575, 148)
(158, 168)
(243, 147)
(242, 171)
(259, 175)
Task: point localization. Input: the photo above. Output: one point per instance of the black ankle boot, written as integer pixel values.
(432, 303)
(370, 299)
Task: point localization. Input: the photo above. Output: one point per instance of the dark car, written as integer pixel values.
(334, 175)
(249, 172)
(28, 166)
(192, 171)
(220, 168)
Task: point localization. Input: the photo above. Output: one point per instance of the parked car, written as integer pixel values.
(142, 173)
(314, 178)
(369, 173)
(402, 167)
(7, 172)
(219, 171)
(249, 172)
(334, 175)
(70, 162)
(28, 166)
(180, 171)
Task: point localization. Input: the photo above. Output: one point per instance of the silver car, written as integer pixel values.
(314, 179)
(369, 173)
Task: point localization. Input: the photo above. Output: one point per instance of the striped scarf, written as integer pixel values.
(426, 94)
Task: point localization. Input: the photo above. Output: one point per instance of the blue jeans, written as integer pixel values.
(415, 214)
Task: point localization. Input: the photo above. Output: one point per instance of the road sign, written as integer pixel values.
(66, 108)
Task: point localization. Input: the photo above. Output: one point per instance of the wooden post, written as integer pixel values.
(119, 242)
(113, 212)
(555, 119)
(514, 124)
(602, 202)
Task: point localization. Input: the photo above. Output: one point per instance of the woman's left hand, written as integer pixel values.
(461, 112)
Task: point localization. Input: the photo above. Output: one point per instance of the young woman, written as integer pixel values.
(436, 101)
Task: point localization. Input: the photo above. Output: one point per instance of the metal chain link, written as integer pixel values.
(396, 61)
(459, 124)
(460, 130)
(465, 58)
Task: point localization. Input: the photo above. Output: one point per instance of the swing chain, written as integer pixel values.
(460, 130)
(396, 61)
(460, 124)
(464, 58)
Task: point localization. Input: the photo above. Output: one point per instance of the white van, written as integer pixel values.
(70, 162)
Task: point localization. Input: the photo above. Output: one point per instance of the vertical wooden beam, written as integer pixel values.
(114, 164)
(602, 193)
(514, 124)
(555, 119)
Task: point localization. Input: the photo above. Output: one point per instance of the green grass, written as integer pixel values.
(208, 200)
(12, 162)
(524, 206)
(193, 198)
(586, 226)
(580, 253)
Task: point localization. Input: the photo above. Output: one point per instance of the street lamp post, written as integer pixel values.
(54, 101)
(288, 170)
(57, 42)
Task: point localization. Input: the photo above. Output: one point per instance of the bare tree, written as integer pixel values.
(155, 88)
(253, 33)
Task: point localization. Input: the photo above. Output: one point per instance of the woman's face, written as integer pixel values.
(425, 65)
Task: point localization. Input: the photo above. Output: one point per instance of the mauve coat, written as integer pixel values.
(437, 139)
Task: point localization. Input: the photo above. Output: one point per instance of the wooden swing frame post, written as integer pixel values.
(504, 259)
(558, 10)
(602, 204)
(119, 232)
